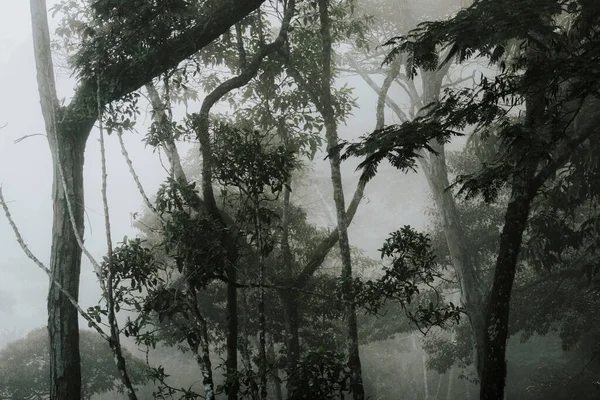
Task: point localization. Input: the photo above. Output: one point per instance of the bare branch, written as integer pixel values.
(41, 265)
(135, 176)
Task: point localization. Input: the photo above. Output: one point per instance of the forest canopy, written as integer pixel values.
(232, 285)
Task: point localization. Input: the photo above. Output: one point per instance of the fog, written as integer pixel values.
(392, 199)
(26, 177)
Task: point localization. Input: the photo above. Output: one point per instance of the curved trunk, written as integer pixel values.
(328, 113)
(493, 374)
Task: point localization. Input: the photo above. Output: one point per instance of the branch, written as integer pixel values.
(33, 258)
(249, 71)
(129, 75)
(383, 93)
(451, 84)
(135, 176)
(388, 101)
(168, 143)
(318, 256)
(585, 123)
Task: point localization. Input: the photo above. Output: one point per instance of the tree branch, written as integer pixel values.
(41, 265)
(318, 256)
(128, 76)
(249, 70)
(388, 101)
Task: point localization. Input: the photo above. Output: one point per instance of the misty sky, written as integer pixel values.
(393, 199)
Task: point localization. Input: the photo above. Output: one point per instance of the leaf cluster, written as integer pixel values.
(413, 268)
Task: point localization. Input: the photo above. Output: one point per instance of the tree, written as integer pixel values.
(547, 75)
(366, 61)
(25, 367)
(68, 128)
(262, 91)
(553, 298)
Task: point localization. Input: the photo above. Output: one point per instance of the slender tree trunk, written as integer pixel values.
(244, 339)
(338, 194)
(67, 143)
(425, 377)
(276, 379)
(200, 346)
(439, 385)
(289, 297)
(262, 340)
(232, 332)
(472, 292)
(65, 264)
(450, 383)
(262, 320)
(435, 171)
(68, 129)
(471, 288)
(493, 374)
(292, 323)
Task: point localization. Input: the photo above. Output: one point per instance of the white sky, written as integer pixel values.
(25, 176)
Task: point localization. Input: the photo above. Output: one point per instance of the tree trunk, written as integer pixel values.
(232, 331)
(291, 317)
(524, 187)
(262, 342)
(67, 144)
(472, 292)
(436, 173)
(450, 383)
(276, 379)
(328, 114)
(68, 129)
(493, 373)
(65, 264)
(200, 346)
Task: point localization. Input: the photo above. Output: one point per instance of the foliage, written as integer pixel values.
(25, 366)
(553, 296)
(413, 268)
(322, 374)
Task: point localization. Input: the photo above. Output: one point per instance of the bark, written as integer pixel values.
(318, 256)
(245, 341)
(525, 185)
(471, 287)
(523, 190)
(289, 298)
(202, 349)
(65, 257)
(328, 114)
(262, 342)
(493, 374)
(472, 290)
(132, 73)
(115, 341)
(202, 130)
(276, 379)
(292, 324)
(262, 319)
(450, 383)
(232, 331)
